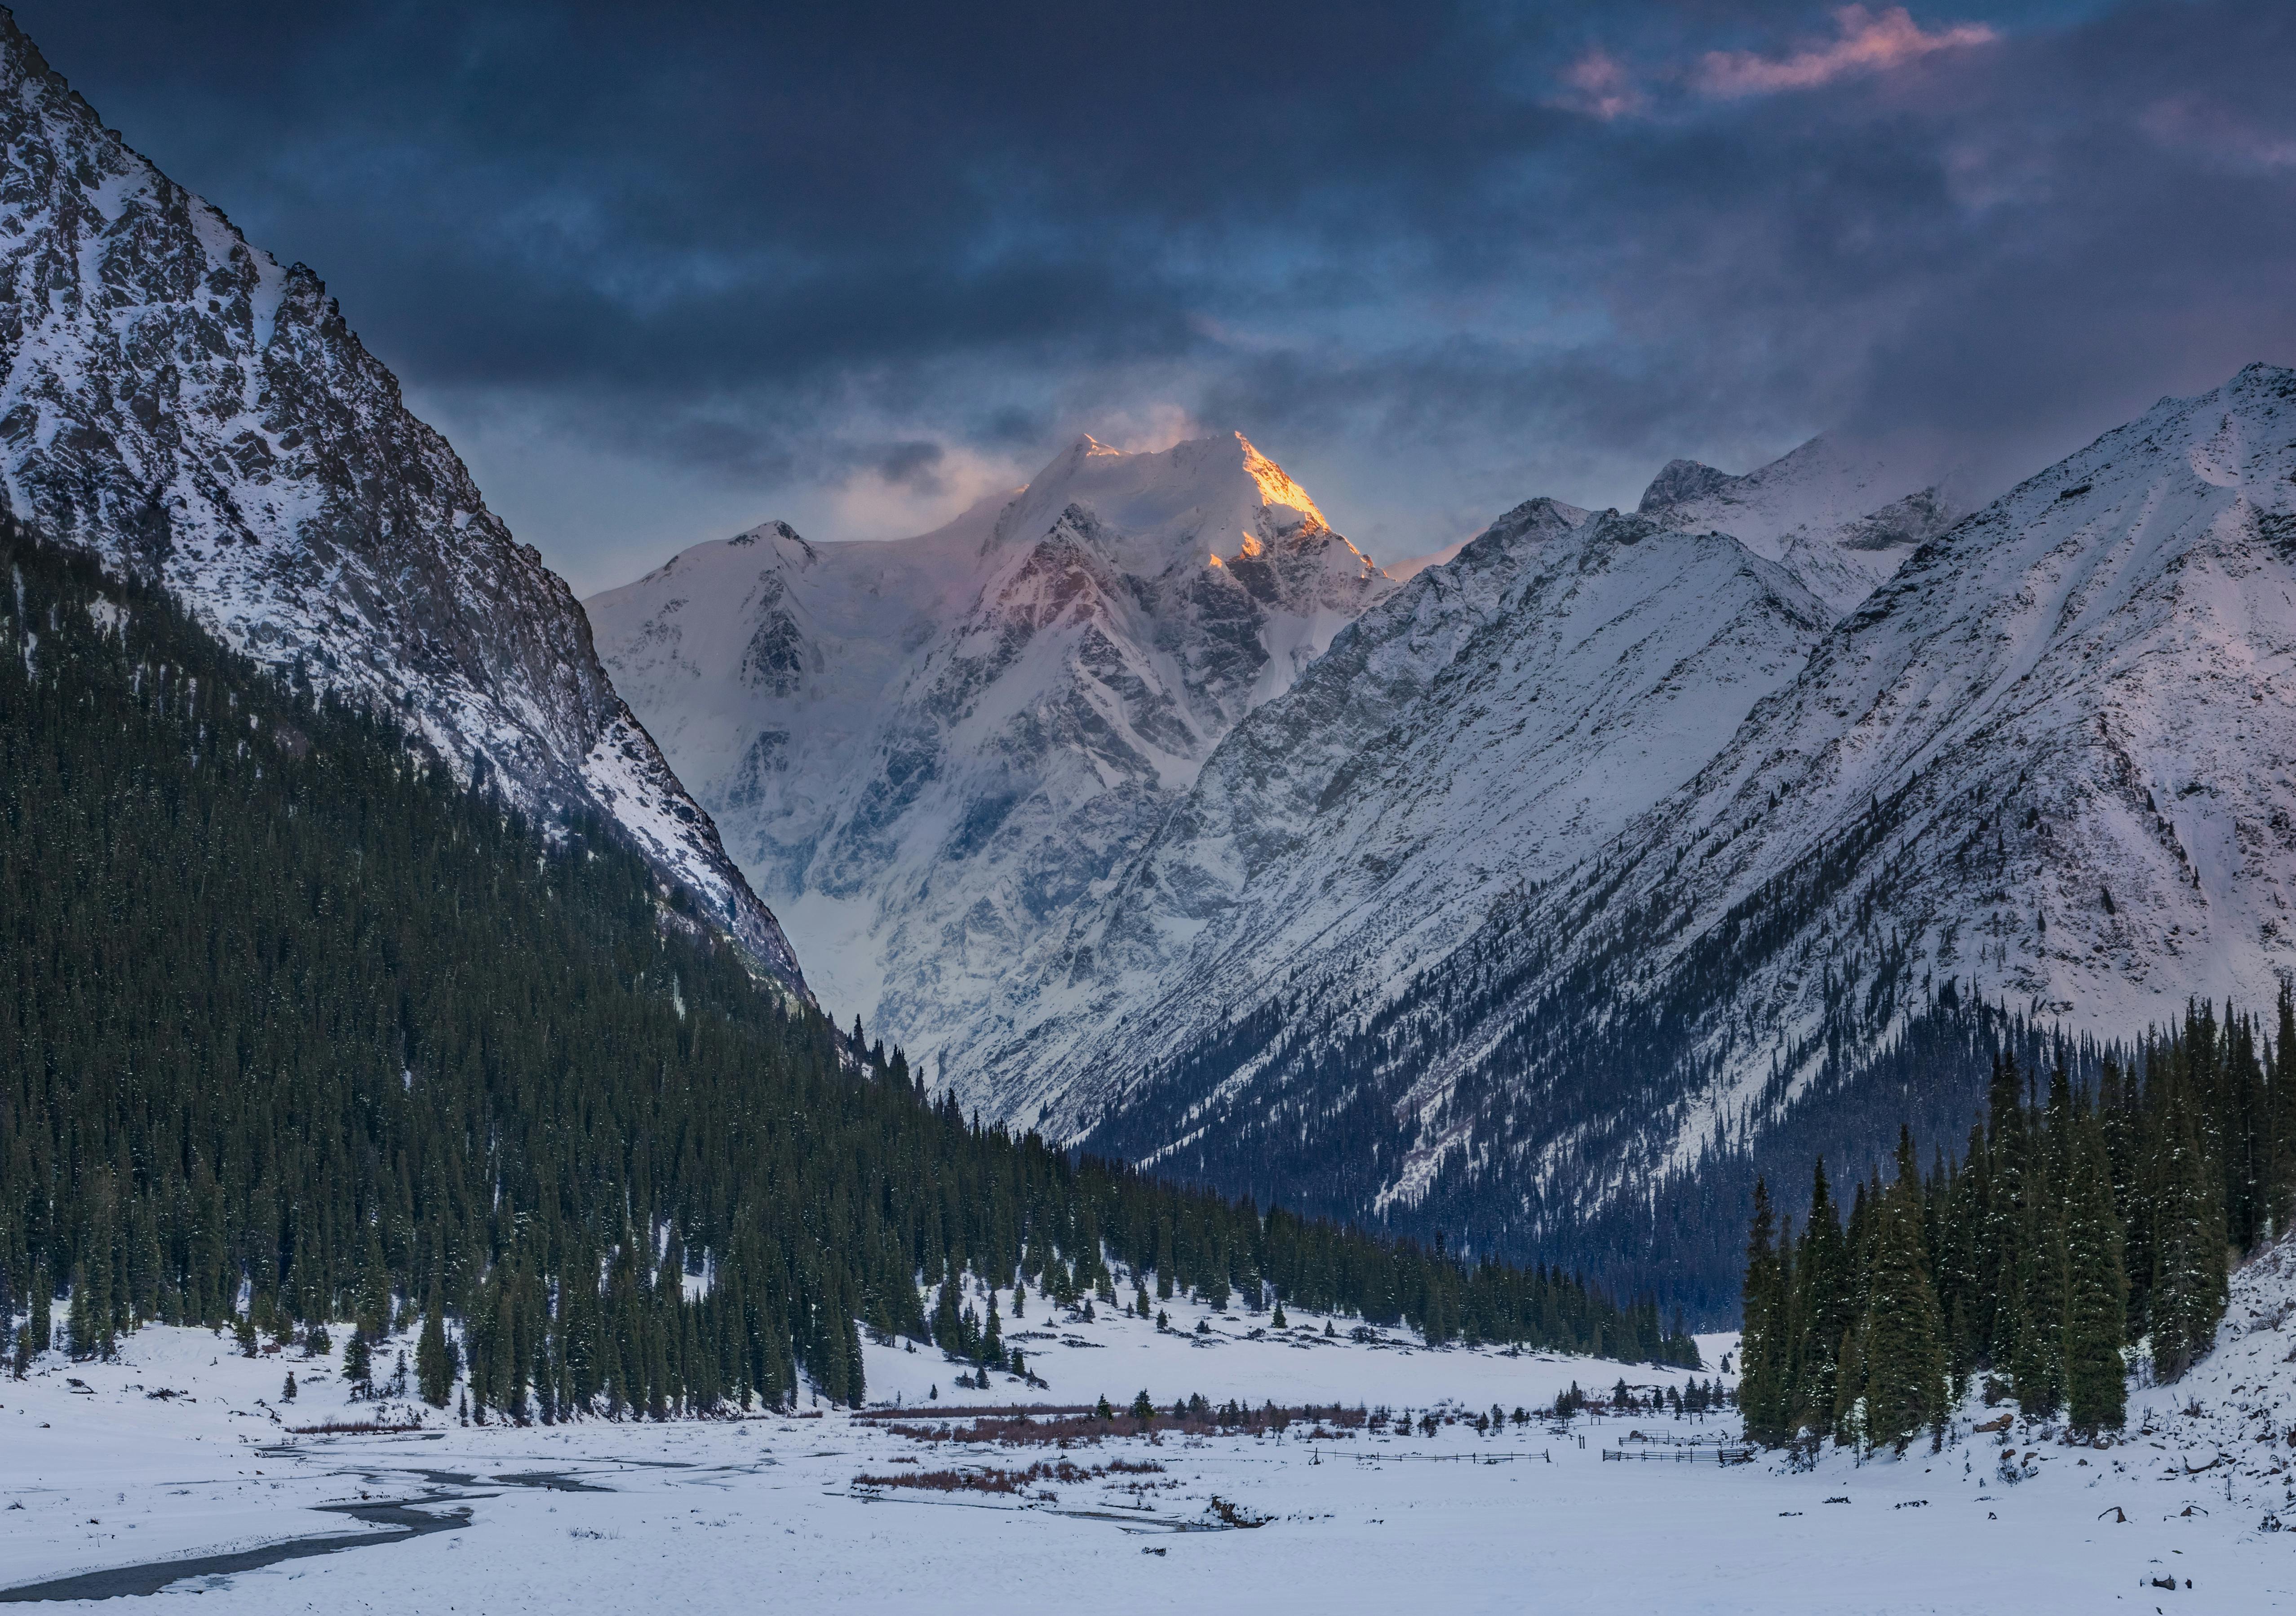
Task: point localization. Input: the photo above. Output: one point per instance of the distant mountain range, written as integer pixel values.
(1573, 860)
(1519, 892)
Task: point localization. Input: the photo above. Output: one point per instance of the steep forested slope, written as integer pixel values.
(296, 1028)
(174, 400)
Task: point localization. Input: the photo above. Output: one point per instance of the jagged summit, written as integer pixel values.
(1203, 501)
(1680, 481)
(926, 748)
(1840, 513)
(776, 532)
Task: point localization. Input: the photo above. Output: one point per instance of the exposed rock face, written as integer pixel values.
(1467, 741)
(174, 400)
(931, 753)
(2052, 762)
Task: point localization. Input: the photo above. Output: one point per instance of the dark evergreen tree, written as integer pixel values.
(1900, 1338)
(2280, 1129)
(434, 1358)
(2187, 1294)
(1762, 1390)
(2096, 1382)
(1822, 1310)
(2037, 1362)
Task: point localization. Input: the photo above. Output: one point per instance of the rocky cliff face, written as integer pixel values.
(2050, 765)
(931, 753)
(173, 399)
(1465, 742)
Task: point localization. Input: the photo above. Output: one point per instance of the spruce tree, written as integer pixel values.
(434, 1358)
(2097, 1385)
(1762, 1390)
(2280, 1191)
(2188, 1275)
(42, 1323)
(2037, 1366)
(1823, 1313)
(1904, 1348)
(80, 1317)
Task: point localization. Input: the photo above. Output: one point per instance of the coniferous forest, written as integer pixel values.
(299, 1030)
(2085, 1228)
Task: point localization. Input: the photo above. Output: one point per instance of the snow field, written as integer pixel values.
(720, 1515)
(1116, 1355)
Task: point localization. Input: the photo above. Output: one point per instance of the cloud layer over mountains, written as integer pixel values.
(857, 265)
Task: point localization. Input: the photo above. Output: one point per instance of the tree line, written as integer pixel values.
(2083, 1225)
(296, 1028)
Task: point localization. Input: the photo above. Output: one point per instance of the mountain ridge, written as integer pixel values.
(1439, 757)
(2045, 765)
(176, 401)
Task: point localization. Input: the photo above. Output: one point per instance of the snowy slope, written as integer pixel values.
(928, 753)
(2050, 761)
(1840, 514)
(1473, 737)
(174, 400)
(2055, 749)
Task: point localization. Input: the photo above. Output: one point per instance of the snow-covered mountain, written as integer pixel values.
(930, 752)
(1839, 513)
(1468, 739)
(173, 399)
(2051, 762)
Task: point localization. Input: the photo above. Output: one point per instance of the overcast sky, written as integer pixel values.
(663, 272)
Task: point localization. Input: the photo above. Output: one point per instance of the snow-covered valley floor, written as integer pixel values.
(766, 1512)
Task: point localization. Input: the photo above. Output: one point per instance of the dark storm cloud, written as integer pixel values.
(1436, 257)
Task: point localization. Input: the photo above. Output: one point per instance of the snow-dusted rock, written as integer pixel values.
(2052, 761)
(1839, 514)
(1468, 739)
(931, 753)
(173, 399)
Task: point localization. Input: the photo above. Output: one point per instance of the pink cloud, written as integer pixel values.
(1869, 41)
(1600, 85)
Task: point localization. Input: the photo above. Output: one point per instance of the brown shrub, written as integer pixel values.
(1007, 1481)
(1059, 1426)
